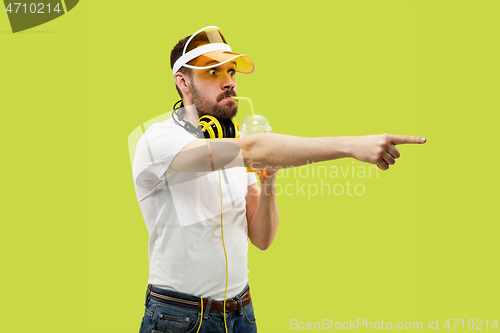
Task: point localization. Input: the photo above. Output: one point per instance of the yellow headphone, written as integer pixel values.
(218, 128)
(208, 127)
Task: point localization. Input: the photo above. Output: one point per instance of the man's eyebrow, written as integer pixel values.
(211, 61)
(215, 61)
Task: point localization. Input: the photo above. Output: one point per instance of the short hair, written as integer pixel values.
(176, 54)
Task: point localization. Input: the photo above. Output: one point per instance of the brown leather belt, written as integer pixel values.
(232, 304)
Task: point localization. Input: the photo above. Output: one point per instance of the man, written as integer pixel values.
(201, 205)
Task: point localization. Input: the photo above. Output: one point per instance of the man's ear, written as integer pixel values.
(182, 81)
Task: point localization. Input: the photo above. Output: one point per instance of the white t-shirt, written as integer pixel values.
(182, 212)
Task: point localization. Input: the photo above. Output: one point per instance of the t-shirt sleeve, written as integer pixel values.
(156, 149)
(252, 178)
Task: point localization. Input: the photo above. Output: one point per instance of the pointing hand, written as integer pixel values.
(380, 149)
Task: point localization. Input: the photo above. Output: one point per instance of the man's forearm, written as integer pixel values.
(274, 150)
(264, 224)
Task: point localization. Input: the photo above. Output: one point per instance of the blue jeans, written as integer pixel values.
(167, 318)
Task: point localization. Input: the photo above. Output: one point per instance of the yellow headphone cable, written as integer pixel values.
(225, 257)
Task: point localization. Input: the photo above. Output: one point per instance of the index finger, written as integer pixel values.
(401, 139)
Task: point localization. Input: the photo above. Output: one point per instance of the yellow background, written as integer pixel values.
(422, 241)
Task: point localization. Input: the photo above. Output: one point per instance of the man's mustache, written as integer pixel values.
(227, 93)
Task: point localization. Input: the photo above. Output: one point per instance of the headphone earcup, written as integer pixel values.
(210, 126)
(214, 128)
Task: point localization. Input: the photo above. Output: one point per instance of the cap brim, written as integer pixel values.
(244, 64)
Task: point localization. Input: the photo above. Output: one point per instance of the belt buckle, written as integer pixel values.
(240, 303)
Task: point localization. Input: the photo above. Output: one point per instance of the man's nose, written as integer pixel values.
(228, 82)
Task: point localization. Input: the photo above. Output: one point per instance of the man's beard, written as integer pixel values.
(204, 106)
